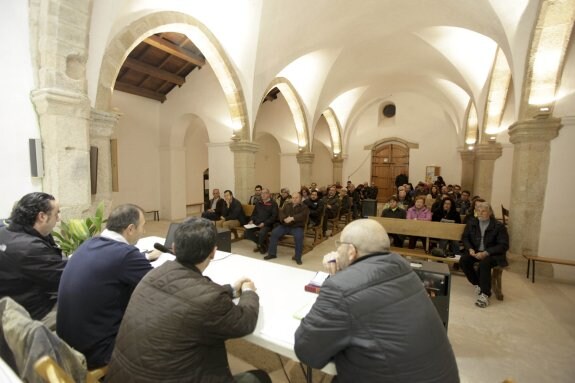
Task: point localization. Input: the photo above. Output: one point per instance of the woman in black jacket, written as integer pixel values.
(447, 212)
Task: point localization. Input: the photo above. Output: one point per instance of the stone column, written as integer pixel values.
(531, 140)
(305, 160)
(485, 156)
(101, 129)
(337, 169)
(467, 169)
(244, 168)
(63, 119)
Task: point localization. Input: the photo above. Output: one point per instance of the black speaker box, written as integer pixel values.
(224, 240)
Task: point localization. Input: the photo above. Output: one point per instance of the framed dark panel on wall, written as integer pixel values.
(94, 169)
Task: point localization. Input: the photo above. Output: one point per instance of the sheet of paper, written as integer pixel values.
(250, 226)
(319, 278)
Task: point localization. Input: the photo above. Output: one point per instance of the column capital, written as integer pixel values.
(60, 102)
(337, 160)
(103, 122)
(490, 151)
(536, 130)
(244, 146)
(305, 158)
(466, 155)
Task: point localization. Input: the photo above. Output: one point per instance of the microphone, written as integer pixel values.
(162, 248)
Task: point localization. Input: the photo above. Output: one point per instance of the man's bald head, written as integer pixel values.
(367, 236)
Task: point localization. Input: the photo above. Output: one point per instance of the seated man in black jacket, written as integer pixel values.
(30, 262)
(315, 206)
(486, 242)
(264, 216)
(394, 211)
(214, 208)
(233, 212)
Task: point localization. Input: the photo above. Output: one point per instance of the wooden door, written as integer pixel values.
(387, 162)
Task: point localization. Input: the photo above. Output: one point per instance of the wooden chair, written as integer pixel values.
(504, 215)
(315, 232)
(51, 372)
(345, 216)
(334, 222)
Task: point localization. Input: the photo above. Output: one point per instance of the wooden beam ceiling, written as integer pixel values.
(175, 50)
(153, 71)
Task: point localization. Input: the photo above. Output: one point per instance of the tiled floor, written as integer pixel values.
(528, 337)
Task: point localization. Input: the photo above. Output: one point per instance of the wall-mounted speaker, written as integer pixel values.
(36, 157)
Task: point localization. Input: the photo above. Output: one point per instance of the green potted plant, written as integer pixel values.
(74, 232)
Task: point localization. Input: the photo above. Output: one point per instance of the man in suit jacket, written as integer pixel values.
(215, 207)
(233, 213)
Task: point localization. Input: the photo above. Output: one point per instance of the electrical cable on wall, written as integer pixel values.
(360, 165)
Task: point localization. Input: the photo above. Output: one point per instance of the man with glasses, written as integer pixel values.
(373, 317)
(264, 216)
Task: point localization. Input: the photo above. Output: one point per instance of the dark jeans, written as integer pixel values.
(328, 215)
(481, 276)
(253, 376)
(282, 230)
(259, 236)
(396, 240)
(211, 215)
(413, 242)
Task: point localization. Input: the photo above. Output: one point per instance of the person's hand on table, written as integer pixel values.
(153, 255)
(242, 285)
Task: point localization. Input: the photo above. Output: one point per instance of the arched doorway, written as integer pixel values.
(388, 160)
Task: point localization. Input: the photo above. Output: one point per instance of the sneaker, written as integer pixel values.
(482, 301)
(477, 290)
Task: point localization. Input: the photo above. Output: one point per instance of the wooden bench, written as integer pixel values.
(430, 229)
(156, 214)
(531, 259)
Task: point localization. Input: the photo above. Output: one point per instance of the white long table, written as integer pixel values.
(281, 292)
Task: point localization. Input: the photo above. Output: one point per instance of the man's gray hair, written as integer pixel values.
(367, 236)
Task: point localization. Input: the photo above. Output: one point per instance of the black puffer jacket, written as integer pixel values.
(30, 269)
(175, 328)
(376, 322)
(496, 239)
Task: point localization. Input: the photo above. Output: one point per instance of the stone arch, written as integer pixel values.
(123, 42)
(335, 132)
(392, 140)
(297, 109)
